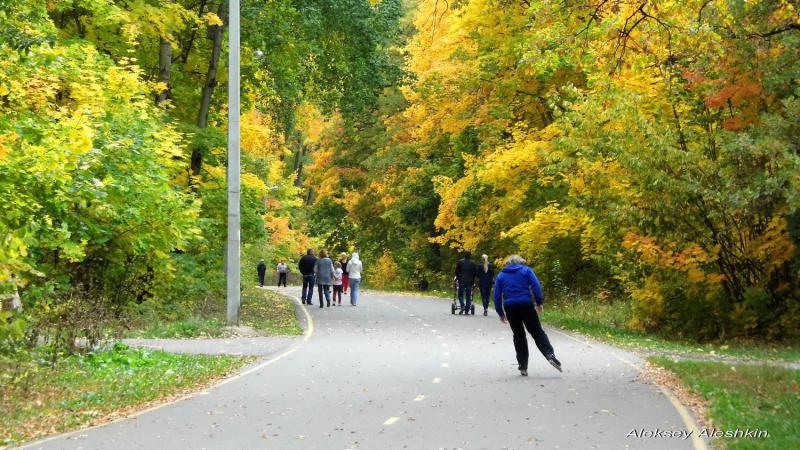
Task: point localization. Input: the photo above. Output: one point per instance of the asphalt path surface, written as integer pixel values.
(402, 372)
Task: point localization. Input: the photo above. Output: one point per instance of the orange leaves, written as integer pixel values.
(692, 260)
(283, 235)
(743, 94)
(5, 139)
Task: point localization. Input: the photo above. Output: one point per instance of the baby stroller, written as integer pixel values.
(456, 306)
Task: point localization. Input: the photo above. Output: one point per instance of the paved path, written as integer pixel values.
(402, 372)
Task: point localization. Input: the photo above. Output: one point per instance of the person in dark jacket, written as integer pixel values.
(262, 272)
(465, 274)
(485, 282)
(514, 305)
(306, 266)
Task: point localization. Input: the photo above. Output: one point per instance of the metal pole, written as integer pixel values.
(234, 232)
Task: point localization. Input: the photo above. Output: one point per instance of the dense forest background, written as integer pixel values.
(637, 152)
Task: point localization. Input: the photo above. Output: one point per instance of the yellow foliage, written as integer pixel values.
(384, 272)
(212, 19)
(775, 245)
(547, 224)
(259, 137)
(648, 305)
(311, 121)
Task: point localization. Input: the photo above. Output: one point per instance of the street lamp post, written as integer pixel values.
(233, 268)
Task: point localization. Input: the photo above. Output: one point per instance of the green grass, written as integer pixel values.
(267, 312)
(607, 321)
(746, 397)
(270, 313)
(85, 389)
(186, 328)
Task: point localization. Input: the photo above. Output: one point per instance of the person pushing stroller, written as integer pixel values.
(466, 271)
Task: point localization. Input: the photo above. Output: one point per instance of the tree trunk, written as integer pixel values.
(298, 165)
(164, 70)
(215, 34)
(184, 56)
(211, 75)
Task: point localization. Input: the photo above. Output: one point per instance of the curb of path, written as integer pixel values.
(688, 419)
(309, 330)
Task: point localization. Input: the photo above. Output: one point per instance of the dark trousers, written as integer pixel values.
(308, 289)
(326, 289)
(464, 289)
(261, 278)
(337, 291)
(486, 293)
(282, 278)
(521, 316)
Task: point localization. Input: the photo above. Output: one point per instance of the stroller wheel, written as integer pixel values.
(472, 310)
(452, 309)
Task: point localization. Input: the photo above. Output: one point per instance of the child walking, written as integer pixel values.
(338, 273)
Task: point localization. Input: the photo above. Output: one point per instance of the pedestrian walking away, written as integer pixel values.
(354, 268)
(465, 275)
(514, 305)
(323, 270)
(338, 274)
(262, 272)
(485, 282)
(306, 267)
(283, 273)
(345, 274)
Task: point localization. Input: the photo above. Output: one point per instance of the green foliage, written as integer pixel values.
(86, 170)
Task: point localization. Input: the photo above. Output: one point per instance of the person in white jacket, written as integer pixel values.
(354, 268)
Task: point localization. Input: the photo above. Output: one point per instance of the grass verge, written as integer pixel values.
(89, 389)
(267, 313)
(742, 397)
(607, 322)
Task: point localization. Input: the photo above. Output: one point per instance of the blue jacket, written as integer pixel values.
(515, 284)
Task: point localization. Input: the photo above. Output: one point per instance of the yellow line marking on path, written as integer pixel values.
(306, 337)
(436, 380)
(686, 416)
(419, 398)
(391, 421)
(688, 420)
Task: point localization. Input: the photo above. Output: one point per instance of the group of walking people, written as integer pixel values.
(518, 298)
(325, 273)
(518, 301)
